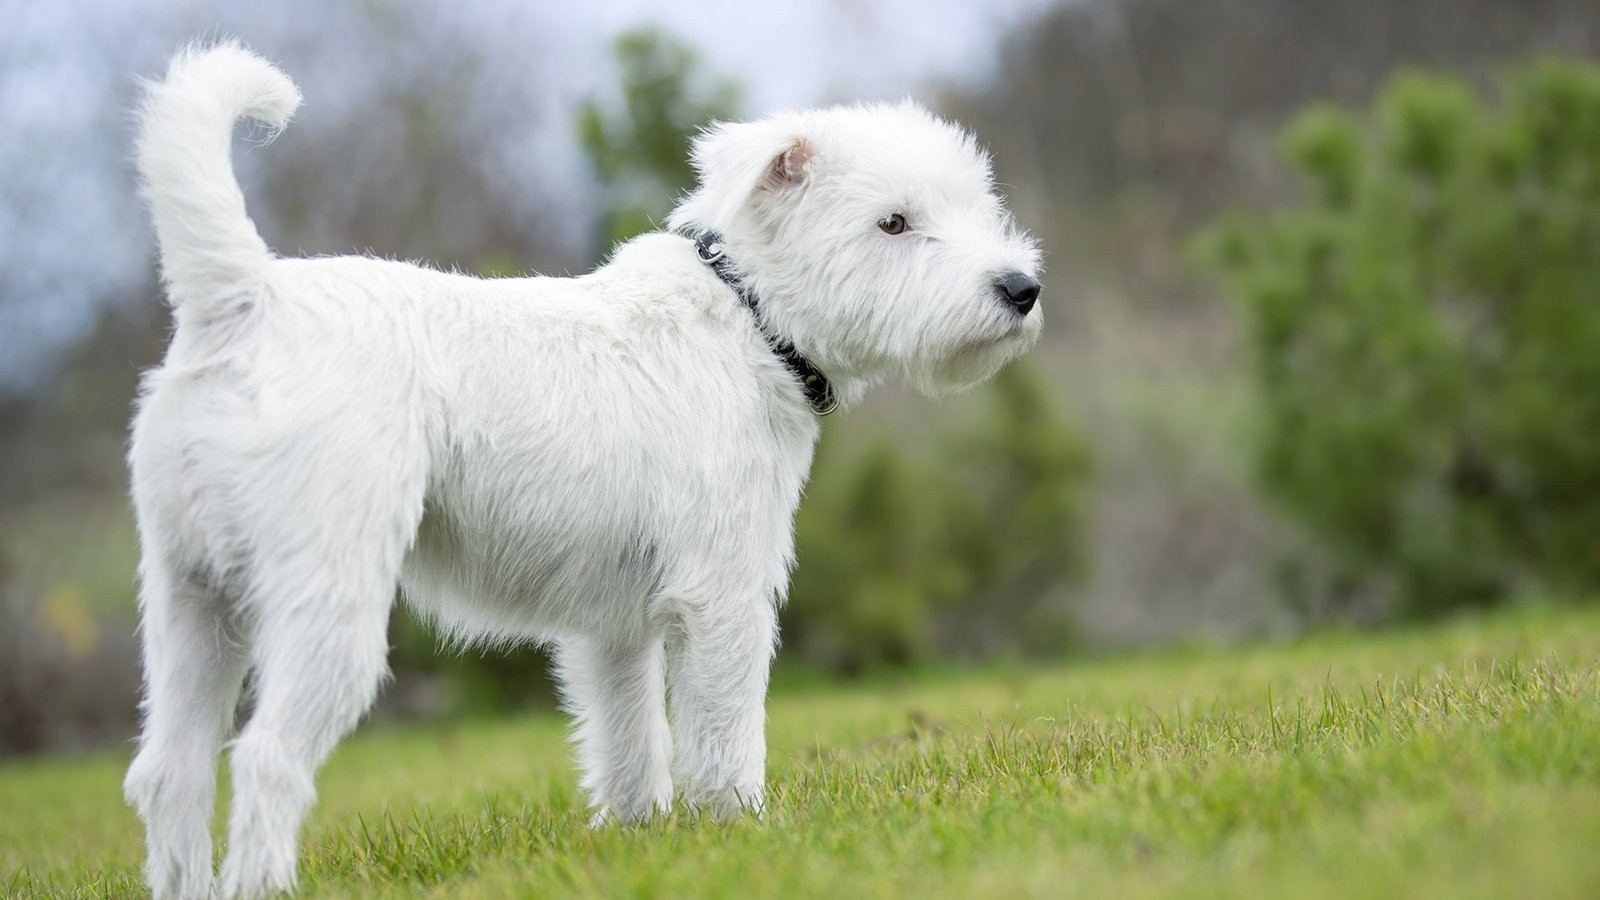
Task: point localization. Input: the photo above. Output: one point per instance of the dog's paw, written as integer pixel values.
(628, 816)
(728, 804)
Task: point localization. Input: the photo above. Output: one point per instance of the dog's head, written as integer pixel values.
(875, 240)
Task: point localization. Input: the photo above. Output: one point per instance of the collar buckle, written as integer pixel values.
(711, 249)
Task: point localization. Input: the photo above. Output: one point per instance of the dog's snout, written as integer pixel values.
(1019, 290)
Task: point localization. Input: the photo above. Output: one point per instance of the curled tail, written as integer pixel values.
(210, 251)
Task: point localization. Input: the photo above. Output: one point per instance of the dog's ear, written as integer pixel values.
(736, 163)
(788, 168)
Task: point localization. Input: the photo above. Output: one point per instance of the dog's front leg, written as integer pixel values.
(614, 692)
(719, 652)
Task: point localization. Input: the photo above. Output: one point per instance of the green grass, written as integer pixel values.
(1457, 761)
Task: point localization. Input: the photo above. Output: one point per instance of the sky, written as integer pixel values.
(73, 237)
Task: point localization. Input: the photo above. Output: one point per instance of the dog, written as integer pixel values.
(607, 465)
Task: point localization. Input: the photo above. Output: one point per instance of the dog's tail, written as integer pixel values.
(211, 253)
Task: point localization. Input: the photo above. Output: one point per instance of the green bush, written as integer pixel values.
(952, 543)
(1426, 336)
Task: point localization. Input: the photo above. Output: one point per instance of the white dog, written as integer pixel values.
(607, 464)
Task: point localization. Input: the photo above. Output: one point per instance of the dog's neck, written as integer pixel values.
(819, 392)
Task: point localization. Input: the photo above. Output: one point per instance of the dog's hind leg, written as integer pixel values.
(331, 529)
(615, 693)
(194, 666)
(318, 654)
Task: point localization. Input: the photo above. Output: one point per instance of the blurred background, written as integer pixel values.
(1322, 340)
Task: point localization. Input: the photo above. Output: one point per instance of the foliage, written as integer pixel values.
(640, 150)
(432, 676)
(979, 522)
(1454, 761)
(1427, 335)
(63, 665)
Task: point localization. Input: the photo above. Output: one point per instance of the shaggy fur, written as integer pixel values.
(607, 464)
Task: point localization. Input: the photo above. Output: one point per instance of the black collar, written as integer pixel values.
(819, 393)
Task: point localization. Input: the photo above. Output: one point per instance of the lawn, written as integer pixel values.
(1461, 760)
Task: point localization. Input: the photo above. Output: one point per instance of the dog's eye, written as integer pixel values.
(892, 224)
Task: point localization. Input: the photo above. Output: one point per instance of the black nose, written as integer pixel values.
(1019, 290)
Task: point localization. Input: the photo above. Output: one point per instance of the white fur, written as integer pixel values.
(609, 464)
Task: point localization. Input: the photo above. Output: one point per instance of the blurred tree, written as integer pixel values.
(1427, 336)
(1127, 124)
(1131, 122)
(640, 148)
(1027, 468)
(959, 547)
